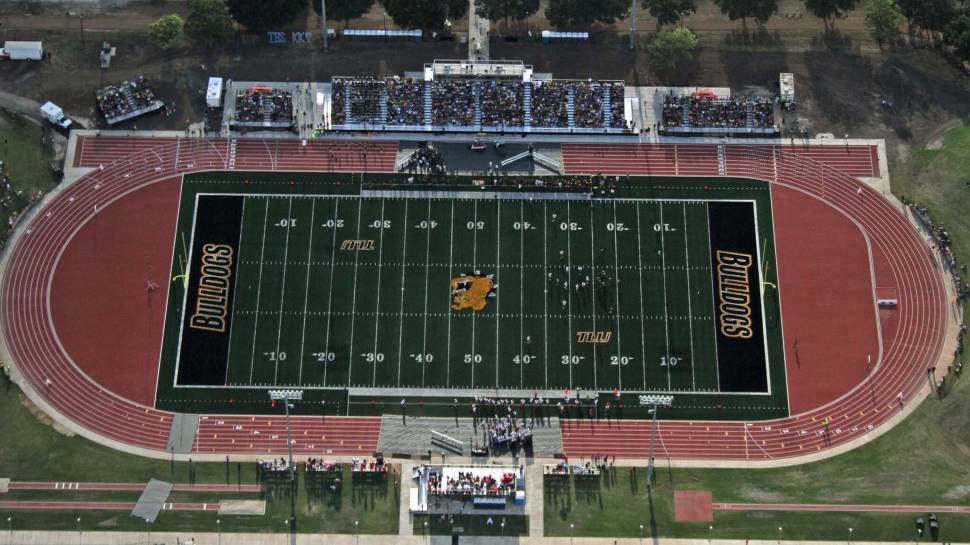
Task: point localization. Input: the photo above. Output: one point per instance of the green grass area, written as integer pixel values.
(886, 471)
(32, 450)
(26, 162)
(309, 314)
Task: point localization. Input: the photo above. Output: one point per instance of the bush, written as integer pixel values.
(167, 32)
(671, 47)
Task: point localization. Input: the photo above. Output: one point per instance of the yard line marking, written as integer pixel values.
(286, 252)
(717, 365)
(353, 301)
(377, 309)
(690, 315)
(474, 259)
(235, 288)
(592, 278)
(427, 269)
(404, 260)
(643, 341)
(521, 292)
(259, 287)
(616, 311)
(333, 252)
(498, 259)
(663, 269)
(306, 290)
(569, 295)
(451, 253)
(545, 304)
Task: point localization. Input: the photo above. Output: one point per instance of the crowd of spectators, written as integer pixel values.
(549, 103)
(452, 103)
(363, 465)
(617, 94)
(255, 105)
(321, 465)
(426, 160)
(129, 96)
(405, 102)
(502, 104)
(588, 104)
(338, 101)
(720, 113)
(469, 484)
(12, 200)
(276, 464)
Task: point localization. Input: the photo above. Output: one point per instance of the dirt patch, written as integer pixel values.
(758, 495)
(43, 417)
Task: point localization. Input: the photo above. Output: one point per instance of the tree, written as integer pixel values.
(209, 23)
(669, 12)
(167, 32)
(671, 46)
(883, 19)
(424, 14)
(830, 9)
(565, 13)
(343, 10)
(261, 15)
(496, 10)
(958, 35)
(759, 10)
(928, 14)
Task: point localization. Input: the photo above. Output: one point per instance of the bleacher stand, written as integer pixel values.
(502, 104)
(126, 100)
(453, 103)
(264, 104)
(589, 104)
(467, 483)
(549, 103)
(617, 94)
(405, 104)
(702, 112)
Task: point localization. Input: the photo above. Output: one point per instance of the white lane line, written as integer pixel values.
(592, 279)
(498, 260)
(427, 269)
(569, 294)
(259, 286)
(451, 260)
(235, 288)
(404, 259)
(286, 252)
(474, 259)
(717, 365)
(545, 304)
(333, 254)
(377, 308)
(353, 303)
(643, 340)
(306, 291)
(521, 292)
(616, 310)
(690, 315)
(663, 269)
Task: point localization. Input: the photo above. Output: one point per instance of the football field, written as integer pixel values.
(372, 291)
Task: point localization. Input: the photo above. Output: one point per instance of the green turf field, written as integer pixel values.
(343, 290)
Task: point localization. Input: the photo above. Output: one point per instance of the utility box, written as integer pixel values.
(22, 51)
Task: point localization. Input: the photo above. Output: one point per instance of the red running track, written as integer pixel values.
(102, 506)
(35, 348)
(840, 508)
(50, 485)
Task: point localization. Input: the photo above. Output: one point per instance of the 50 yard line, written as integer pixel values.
(259, 287)
(498, 259)
(451, 260)
(306, 291)
(286, 253)
(545, 303)
(521, 291)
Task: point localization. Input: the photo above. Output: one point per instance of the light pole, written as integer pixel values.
(286, 396)
(641, 534)
(286, 524)
(570, 533)
(427, 537)
(779, 535)
(79, 531)
(633, 24)
(10, 528)
(385, 25)
(148, 532)
(219, 529)
(710, 533)
(654, 401)
(503, 529)
(850, 536)
(82, 32)
(357, 531)
(323, 23)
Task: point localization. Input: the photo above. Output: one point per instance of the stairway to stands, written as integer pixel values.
(607, 106)
(527, 104)
(571, 107)
(477, 93)
(383, 106)
(427, 103)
